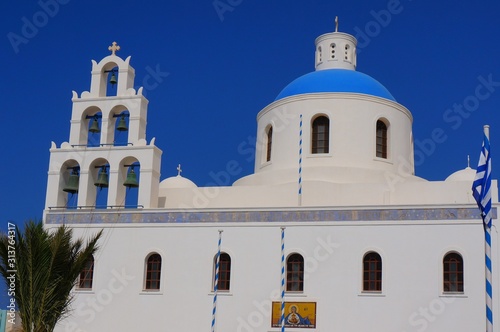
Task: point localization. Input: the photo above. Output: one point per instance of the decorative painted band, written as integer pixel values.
(144, 216)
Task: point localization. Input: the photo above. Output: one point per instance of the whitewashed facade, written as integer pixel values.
(347, 190)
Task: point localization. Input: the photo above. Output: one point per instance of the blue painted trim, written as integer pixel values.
(172, 217)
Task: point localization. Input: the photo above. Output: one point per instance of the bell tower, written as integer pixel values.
(107, 150)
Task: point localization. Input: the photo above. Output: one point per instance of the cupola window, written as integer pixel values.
(269, 143)
(347, 53)
(381, 140)
(332, 47)
(320, 135)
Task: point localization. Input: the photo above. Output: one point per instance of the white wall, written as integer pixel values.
(411, 251)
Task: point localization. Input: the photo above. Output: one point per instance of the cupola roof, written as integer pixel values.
(177, 182)
(335, 80)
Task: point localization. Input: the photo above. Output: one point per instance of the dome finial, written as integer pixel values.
(179, 170)
(468, 161)
(336, 24)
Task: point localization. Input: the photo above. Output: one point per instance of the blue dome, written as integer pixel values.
(335, 80)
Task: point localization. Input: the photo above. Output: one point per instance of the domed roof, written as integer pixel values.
(177, 182)
(466, 174)
(335, 80)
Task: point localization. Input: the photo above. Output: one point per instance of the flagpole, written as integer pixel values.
(282, 320)
(300, 162)
(488, 274)
(216, 282)
(481, 190)
(487, 249)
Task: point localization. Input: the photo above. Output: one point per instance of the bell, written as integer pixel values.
(94, 127)
(72, 185)
(113, 80)
(131, 181)
(102, 179)
(122, 124)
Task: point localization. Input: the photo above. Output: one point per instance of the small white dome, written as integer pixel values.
(466, 174)
(177, 182)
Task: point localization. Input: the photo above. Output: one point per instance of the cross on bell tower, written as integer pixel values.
(113, 48)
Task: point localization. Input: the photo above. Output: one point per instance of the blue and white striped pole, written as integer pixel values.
(481, 190)
(300, 162)
(489, 288)
(282, 320)
(216, 281)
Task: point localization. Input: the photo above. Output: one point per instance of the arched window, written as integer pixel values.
(320, 135)
(372, 272)
(295, 273)
(87, 274)
(453, 273)
(269, 143)
(224, 271)
(153, 272)
(381, 145)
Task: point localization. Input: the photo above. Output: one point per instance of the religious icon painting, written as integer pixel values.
(296, 314)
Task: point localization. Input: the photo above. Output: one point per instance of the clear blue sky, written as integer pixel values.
(225, 64)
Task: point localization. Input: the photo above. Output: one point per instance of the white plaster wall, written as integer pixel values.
(411, 252)
(353, 120)
(147, 155)
(399, 192)
(135, 104)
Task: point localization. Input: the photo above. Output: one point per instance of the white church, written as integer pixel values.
(332, 232)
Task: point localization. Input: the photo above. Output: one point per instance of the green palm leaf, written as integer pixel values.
(47, 265)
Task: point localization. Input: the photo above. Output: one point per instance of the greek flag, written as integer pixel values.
(481, 190)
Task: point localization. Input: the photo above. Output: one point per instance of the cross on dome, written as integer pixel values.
(179, 170)
(336, 24)
(113, 48)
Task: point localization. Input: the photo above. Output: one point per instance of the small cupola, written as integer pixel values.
(335, 50)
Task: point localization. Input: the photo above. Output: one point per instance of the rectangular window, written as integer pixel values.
(87, 275)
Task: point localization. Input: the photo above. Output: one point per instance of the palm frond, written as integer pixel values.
(47, 265)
